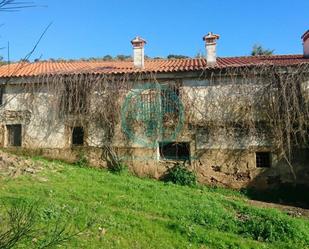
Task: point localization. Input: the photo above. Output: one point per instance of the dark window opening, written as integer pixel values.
(78, 136)
(14, 135)
(1, 95)
(174, 151)
(263, 159)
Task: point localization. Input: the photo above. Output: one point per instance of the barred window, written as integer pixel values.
(14, 135)
(78, 136)
(174, 151)
(1, 94)
(263, 159)
(149, 106)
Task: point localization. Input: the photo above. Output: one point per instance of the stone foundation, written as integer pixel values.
(226, 168)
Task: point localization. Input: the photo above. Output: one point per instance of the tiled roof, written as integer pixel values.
(151, 66)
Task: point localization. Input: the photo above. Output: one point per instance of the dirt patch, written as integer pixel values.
(290, 210)
(14, 166)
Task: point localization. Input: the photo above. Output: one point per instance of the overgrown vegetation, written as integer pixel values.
(23, 223)
(258, 50)
(180, 174)
(82, 160)
(119, 168)
(129, 212)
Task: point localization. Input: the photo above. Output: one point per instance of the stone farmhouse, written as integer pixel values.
(160, 112)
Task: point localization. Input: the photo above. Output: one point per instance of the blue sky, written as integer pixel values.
(94, 28)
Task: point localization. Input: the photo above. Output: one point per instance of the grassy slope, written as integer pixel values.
(143, 213)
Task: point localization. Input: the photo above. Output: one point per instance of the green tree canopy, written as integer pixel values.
(259, 50)
(122, 57)
(177, 56)
(107, 57)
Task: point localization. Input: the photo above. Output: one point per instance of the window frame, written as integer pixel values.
(77, 136)
(1, 94)
(11, 135)
(263, 159)
(186, 146)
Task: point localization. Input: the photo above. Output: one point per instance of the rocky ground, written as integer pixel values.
(14, 166)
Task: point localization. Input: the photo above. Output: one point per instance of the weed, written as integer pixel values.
(179, 174)
(119, 168)
(82, 160)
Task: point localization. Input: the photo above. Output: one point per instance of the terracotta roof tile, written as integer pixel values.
(152, 66)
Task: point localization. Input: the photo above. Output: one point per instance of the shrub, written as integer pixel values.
(82, 160)
(270, 227)
(118, 168)
(179, 174)
(20, 226)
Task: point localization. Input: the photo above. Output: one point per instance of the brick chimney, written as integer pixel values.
(210, 45)
(138, 44)
(305, 38)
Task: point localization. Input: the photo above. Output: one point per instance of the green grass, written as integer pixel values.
(144, 213)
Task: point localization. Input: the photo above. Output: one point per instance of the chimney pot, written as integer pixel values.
(138, 44)
(210, 45)
(305, 38)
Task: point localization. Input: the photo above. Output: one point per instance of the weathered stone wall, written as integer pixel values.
(226, 168)
(218, 159)
(33, 109)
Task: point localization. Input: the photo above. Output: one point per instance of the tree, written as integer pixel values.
(157, 58)
(177, 56)
(12, 5)
(122, 57)
(107, 57)
(259, 50)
